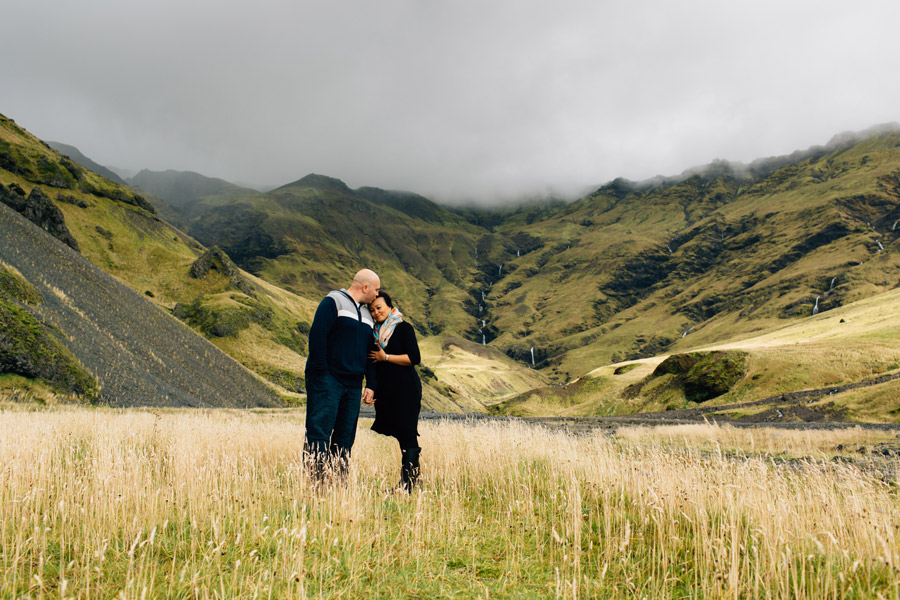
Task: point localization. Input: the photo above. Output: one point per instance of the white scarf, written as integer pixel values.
(384, 330)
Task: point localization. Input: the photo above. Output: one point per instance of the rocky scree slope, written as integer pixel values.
(138, 354)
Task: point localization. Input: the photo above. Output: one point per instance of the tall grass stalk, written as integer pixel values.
(132, 504)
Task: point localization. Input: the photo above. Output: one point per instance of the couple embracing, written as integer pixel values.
(358, 333)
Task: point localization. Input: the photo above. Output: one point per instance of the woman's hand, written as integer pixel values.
(378, 355)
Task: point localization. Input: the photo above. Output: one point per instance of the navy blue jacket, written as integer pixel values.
(340, 340)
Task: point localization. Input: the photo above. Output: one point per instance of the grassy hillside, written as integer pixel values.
(852, 343)
(75, 154)
(719, 249)
(118, 231)
(262, 323)
(630, 271)
(506, 301)
(312, 235)
(315, 233)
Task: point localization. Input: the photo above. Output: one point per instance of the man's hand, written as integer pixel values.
(368, 396)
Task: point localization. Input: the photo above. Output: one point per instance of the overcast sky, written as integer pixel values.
(454, 99)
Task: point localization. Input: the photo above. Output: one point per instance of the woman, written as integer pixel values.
(399, 396)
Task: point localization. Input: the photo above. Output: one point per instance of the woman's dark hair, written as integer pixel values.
(387, 298)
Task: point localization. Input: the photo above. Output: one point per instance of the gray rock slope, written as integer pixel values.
(140, 355)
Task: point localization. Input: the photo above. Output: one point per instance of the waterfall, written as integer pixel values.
(518, 255)
(894, 228)
(482, 322)
(880, 247)
(482, 295)
(687, 331)
(532, 356)
(483, 340)
(669, 248)
(816, 307)
(832, 284)
(500, 271)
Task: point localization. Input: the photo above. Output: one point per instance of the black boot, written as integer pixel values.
(409, 468)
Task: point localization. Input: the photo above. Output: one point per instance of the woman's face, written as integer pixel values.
(379, 310)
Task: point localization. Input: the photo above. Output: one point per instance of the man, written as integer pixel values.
(339, 342)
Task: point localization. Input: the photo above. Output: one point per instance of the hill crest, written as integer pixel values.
(316, 181)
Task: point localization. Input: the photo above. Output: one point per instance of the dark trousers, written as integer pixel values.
(332, 412)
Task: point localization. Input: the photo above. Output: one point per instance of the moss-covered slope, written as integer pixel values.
(30, 348)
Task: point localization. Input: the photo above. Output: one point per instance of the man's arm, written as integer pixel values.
(326, 315)
(371, 380)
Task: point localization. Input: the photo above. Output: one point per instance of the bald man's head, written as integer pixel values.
(365, 286)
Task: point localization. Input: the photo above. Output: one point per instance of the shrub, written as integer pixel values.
(705, 375)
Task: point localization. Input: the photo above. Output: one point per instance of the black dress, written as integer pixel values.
(399, 397)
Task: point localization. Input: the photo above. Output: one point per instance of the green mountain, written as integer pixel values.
(259, 324)
(315, 233)
(632, 270)
(119, 231)
(727, 246)
(80, 331)
(591, 295)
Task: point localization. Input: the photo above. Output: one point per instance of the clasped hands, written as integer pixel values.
(368, 396)
(378, 355)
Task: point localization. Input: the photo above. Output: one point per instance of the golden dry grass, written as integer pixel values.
(809, 443)
(99, 503)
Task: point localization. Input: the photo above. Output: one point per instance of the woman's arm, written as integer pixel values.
(408, 338)
(379, 355)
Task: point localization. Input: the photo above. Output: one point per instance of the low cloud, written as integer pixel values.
(460, 101)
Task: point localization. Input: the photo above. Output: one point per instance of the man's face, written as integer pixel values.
(370, 291)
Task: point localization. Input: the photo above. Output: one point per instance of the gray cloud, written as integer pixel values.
(457, 100)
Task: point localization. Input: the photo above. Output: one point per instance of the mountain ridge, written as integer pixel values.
(698, 204)
(76, 155)
(627, 272)
(258, 324)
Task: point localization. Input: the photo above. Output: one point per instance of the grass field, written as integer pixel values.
(97, 503)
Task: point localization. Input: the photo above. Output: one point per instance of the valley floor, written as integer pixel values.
(98, 502)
